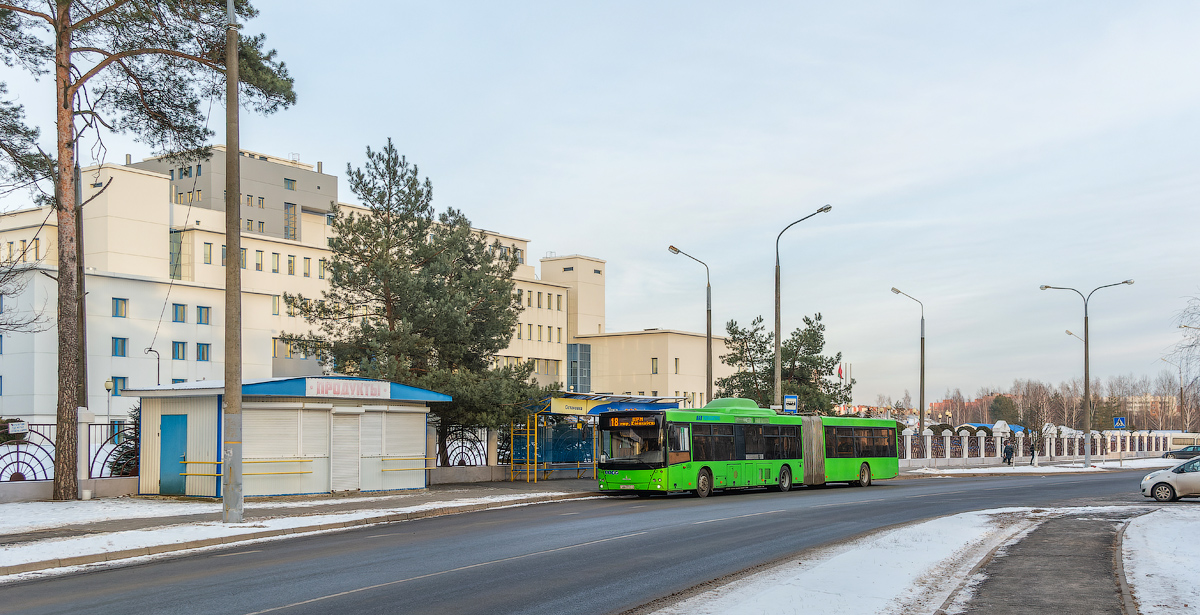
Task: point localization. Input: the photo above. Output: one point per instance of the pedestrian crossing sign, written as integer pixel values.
(1118, 422)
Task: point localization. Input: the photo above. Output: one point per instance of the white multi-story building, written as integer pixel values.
(154, 275)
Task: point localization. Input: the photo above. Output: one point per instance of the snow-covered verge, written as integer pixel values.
(20, 517)
(1162, 557)
(58, 548)
(912, 569)
(1025, 468)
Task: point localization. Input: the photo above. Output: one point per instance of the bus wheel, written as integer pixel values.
(704, 483)
(864, 476)
(785, 479)
(643, 494)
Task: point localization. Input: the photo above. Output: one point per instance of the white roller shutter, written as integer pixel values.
(346, 458)
(405, 434)
(315, 433)
(372, 434)
(269, 433)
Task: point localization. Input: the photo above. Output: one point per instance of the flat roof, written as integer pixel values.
(326, 387)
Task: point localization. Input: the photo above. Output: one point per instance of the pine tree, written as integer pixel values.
(418, 298)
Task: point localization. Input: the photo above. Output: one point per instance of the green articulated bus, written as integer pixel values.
(733, 444)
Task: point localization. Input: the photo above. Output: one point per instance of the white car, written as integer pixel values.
(1171, 484)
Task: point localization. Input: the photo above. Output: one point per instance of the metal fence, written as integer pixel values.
(113, 450)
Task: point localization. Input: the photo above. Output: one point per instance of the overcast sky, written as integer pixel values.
(971, 152)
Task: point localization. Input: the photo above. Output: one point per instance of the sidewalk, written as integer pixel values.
(43, 535)
(1045, 467)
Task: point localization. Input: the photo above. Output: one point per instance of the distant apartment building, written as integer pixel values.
(154, 256)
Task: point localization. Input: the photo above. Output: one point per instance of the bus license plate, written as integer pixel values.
(627, 486)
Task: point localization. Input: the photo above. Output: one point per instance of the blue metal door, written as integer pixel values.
(172, 453)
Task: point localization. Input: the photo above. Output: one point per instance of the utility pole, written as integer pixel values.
(231, 469)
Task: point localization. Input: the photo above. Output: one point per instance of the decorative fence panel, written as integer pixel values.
(918, 447)
(28, 456)
(938, 445)
(113, 450)
(956, 448)
(989, 445)
(972, 446)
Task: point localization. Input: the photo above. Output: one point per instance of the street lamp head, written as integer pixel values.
(1069, 332)
(825, 209)
(673, 249)
(108, 385)
(895, 290)
(1043, 287)
(1127, 282)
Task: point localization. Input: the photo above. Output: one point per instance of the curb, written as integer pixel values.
(111, 556)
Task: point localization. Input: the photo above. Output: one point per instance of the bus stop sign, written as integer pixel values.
(791, 403)
(1118, 422)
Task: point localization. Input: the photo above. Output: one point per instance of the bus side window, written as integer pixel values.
(679, 440)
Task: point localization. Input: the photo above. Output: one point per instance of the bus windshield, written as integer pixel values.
(631, 445)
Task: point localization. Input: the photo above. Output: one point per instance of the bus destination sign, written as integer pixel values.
(633, 421)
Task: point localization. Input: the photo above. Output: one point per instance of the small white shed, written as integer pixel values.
(299, 436)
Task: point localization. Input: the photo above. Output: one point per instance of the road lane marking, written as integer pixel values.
(388, 534)
(570, 513)
(739, 516)
(442, 572)
(238, 553)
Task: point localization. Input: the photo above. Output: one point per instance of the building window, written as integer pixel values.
(179, 351)
(654, 366)
(258, 258)
(520, 331)
(120, 308)
(519, 254)
(560, 303)
(677, 367)
(539, 300)
(560, 335)
(198, 169)
(199, 194)
(274, 262)
(172, 174)
(520, 296)
(222, 256)
(291, 264)
(539, 333)
(202, 351)
(243, 258)
(207, 253)
(178, 312)
(262, 226)
(328, 219)
(289, 221)
(289, 184)
(568, 269)
(120, 383)
(24, 251)
(249, 201)
(179, 198)
(275, 305)
(307, 267)
(120, 346)
(321, 269)
(249, 224)
(203, 314)
(37, 252)
(529, 299)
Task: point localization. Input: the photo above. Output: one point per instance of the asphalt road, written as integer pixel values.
(603, 555)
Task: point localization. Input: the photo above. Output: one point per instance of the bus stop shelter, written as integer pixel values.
(299, 436)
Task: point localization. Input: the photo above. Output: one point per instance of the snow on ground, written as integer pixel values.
(1162, 557)
(912, 569)
(19, 517)
(1025, 468)
(55, 548)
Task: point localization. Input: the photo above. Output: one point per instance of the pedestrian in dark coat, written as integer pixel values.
(1008, 453)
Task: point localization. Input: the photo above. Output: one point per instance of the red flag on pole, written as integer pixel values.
(839, 370)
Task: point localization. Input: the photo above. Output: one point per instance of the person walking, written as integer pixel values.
(1008, 453)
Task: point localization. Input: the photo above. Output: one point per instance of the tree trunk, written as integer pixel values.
(66, 485)
(443, 433)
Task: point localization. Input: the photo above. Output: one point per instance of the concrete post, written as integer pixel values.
(493, 448)
(83, 454)
(946, 433)
(982, 450)
(927, 438)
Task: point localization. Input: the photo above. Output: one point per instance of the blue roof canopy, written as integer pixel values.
(328, 387)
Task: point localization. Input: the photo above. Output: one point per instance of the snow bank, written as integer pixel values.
(907, 570)
(20, 517)
(1162, 556)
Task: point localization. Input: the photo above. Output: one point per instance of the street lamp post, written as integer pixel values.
(108, 386)
(921, 394)
(708, 357)
(778, 344)
(1087, 385)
